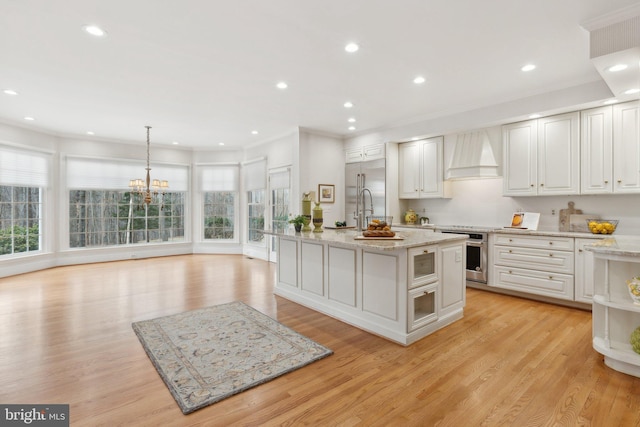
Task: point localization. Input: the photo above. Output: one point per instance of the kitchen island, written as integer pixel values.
(402, 289)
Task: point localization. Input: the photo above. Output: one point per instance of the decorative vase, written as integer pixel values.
(633, 286)
(306, 211)
(410, 217)
(317, 218)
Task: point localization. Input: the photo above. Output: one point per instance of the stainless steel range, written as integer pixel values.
(476, 249)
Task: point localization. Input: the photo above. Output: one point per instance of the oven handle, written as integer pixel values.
(475, 243)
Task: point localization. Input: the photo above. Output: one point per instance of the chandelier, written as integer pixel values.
(148, 189)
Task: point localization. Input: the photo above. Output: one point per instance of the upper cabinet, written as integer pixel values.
(365, 153)
(626, 147)
(542, 157)
(611, 149)
(420, 166)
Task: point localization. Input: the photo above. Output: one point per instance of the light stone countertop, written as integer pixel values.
(620, 245)
(346, 238)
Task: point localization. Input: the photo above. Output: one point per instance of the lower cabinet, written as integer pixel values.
(534, 264)
(584, 283)
(422, 306)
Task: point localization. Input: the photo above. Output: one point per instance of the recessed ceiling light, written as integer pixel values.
(175, 143)
(534, 116)
(254, 132)
(632, 91)
(419, 80)
(90, 132)
(95, 31)
(351, 120)
(528, 67)
(610, 101)
(352, 128)
(220, 143)
(10, 92)
(351, 47)
(282, 85)
(29, 118)
(618, 67)
(348, 104)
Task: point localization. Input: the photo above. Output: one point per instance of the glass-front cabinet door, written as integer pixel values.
(423, 265)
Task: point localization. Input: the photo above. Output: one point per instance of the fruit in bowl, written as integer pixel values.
(634, 289)
(602, 226)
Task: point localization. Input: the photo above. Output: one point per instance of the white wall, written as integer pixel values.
(322, 162)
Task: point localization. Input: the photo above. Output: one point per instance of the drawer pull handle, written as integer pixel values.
(551, 243)
(550, 254)
(606, 182)
(426, 251)
(550, 277)
(579, 250)
(511, 240)
(510, 251)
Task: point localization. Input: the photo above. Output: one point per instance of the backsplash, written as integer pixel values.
(480, 202)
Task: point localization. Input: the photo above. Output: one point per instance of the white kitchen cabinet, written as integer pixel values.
(610, 149)
(596, 150)
(538, 265)
(615, 316)
(542, 157)
(626, 147)
(420, 169)
(365, 153)
(583, 272)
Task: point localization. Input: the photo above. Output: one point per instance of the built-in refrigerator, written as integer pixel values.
(370, 175)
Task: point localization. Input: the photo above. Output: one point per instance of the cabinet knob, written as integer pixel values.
(532, 185)
(606, 182)
(511, 240)
(509, 271)
(551, 243)
(619, 181)
(550, 254)
(426, 251)
(541, 185)
(550, 277)
(579, 250)
(510, 251)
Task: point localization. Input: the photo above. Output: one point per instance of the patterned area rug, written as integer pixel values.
(209, 354)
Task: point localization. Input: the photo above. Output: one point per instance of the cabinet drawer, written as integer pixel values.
(540, 242)
(534, 282)
(423, 265)
(423, 308)
(535, 259)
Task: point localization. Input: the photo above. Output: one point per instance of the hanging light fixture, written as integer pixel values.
(148, 189)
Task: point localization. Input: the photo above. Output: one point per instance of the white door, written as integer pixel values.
(431, 168)
(626, 147)
(559, 154)
(520, 158)
(408, 170)
(596, 151)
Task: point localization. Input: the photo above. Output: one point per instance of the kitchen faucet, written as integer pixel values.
(361, 210)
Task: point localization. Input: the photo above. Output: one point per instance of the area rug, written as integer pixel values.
(209, 354)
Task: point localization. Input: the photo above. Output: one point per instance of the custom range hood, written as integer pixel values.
(472, 157)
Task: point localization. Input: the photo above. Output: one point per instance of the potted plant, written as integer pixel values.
(298, 222)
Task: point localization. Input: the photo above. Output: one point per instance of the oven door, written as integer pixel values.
(476, 261)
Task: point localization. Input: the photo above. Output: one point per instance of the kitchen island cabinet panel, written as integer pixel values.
(380, 284)
(288, 268)
(342, 275)
(452, 295)
(312, 268)
(366, 283)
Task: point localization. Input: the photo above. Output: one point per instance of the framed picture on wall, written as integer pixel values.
(326, 193)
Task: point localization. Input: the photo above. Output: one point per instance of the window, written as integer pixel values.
(108, 218)
(255, 179)
(219, 185)
(256, 216)
(20, 213)
(103, 212)
(219, 215)
(24, 176)
(279, 184)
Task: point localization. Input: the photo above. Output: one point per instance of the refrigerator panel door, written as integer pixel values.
(373, 173)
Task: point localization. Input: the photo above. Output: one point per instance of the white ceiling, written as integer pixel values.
(203, 72)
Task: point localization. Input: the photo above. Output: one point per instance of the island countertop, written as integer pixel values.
(347, 238)
(620, 245)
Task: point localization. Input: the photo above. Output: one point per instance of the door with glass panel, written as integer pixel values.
(279, 200)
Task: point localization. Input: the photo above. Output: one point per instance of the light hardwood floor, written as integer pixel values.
(66, 337)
